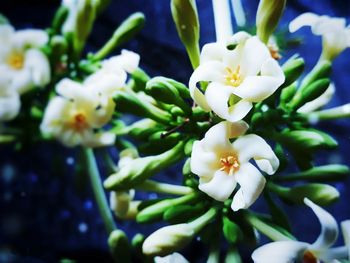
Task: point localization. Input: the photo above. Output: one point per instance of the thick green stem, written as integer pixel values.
(153, 186)
(98, 191)
(203, 220)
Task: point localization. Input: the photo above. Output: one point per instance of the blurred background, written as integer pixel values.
(46, 208)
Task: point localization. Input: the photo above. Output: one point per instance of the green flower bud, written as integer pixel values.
(130, 103)
(309, 93)
(321, 194)
(267, 17)
(127, 30)
(140, 169)
(287, 94)
(141, 129)
(140, 79)
(165, 90)
(59, 18)
(292, 69)
(119, 246)
(187, 24)
(321, 70)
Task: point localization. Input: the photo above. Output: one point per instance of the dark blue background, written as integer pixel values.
(46, 213)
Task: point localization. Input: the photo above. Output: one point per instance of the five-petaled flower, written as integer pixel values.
(335, 34)
(297, 251)
(236, 77)
(221, 164)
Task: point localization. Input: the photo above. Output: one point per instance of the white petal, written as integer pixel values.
(203, 162)
(127, 61)
(213, 52)
(100, 139)
(326, 24)
(345, 227)
(238, 38)
(217, 137)
(22, 81)
(280, 252)
(329, 232)
(217, 96)
(258, 88)
(210, 71)
(254, 55)
(306, 19)
(318, 102)
(29, 38)
(251, 183)
(220, 187)
(6, 33)
(70, 89)
(39, 66)
(120, 202)
(258, 149)
(9, 100)
(173, 258)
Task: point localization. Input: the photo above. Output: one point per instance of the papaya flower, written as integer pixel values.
(21, 58)
(73, 117)
(298, 251)
(335, 34)
(239, 73)
(9, 100)
(221, 165)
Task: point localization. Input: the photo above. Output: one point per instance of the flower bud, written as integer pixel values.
(292, 69)
(321, 70)
(267, 17)
(119, 246)
(168, 239)
(140, 169)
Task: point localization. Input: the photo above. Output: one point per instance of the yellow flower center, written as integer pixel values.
(229, 164)
(309, 257)
(79, 122)
(233, 76)
(16, 60)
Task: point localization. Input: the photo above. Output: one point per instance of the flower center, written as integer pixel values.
(79, 122)
(233, 77)
(229, 164)
(16, 60)
(309, 257)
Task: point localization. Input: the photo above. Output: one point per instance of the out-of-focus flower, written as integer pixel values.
(335, 34)
(318, 102)
(173, 258)
(9, 100)
(73, 117)
(21, 58)
(297, 251)
(237, 77)
(221, 164)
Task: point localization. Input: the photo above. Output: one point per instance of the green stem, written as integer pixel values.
(267, 230)
(203, 220)
(98, 191)
(153, 186)
(331, 114)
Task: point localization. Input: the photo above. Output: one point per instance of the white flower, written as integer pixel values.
(73, 117)
(319, 102)
(335, 34)
(173, 258)
(221, 165)
(9, 100)
(21, 59)
(237, 78)
(294, 251)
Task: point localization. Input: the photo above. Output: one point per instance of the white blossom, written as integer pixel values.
(335, 34)
(172, 258)
(9, 100)
(236, 78)
(221, 165)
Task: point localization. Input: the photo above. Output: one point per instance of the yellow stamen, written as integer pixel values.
(233, 77)
(16, 60)
(274, 51)
(229, 164)
(79, 122)
(309, 257)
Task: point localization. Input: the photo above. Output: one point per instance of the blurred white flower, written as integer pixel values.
(297, 251)
(237, 78)
(21, 58)
(9, 100)
(73, 116)
(172, 258)
(221, 165)
(335, 34)
(318, 102)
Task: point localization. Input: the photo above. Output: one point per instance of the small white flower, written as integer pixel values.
(335, 34)
(73, 117)
(173, 258)
(319, 102)
(237, 78)
(297, 251)
(221, 165)
(9, 100)
(21, 59)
